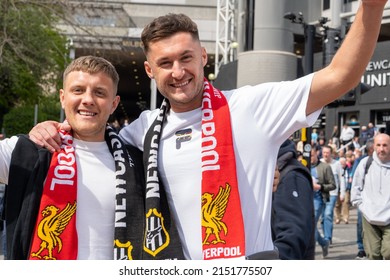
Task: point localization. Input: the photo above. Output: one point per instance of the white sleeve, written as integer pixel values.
(135, 132)
(357, 183)
(6, 147)
(277, 107)
(341, 179)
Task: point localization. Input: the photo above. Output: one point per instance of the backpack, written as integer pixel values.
(368, 164)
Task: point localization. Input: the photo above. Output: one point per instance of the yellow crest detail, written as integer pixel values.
(126, 246)
(51, 227)
(213, 210)
(156, 236)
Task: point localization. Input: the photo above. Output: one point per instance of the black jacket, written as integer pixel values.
(292, 208)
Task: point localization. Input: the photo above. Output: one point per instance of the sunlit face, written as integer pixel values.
(88, 101)
(176, 63)
(382, 147)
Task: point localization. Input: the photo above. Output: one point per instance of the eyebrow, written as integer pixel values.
(185, 52)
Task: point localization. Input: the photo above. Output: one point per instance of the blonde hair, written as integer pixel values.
(92, 65)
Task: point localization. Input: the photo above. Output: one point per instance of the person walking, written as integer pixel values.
(323, 183)
(334, 195)
(369, 150)
(371, 193)
(203, 143)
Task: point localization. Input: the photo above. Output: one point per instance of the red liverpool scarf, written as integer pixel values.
(55, 235)
(222, 224)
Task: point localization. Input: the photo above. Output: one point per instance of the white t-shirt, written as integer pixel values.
(262, 117)
(95, 196)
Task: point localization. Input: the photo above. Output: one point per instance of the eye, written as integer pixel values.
(100, 93)
(165, 64)
(187, 58)
(77, 90)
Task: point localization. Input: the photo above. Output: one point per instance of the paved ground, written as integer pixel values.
(343, 245)
(344, 241)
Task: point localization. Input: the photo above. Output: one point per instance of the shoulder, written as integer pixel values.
(363, 162)
(24, 142)
(325, 167)
(294, 166)
(8, 144)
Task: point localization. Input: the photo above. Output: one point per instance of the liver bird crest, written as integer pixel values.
(50, 229)
(213, 210)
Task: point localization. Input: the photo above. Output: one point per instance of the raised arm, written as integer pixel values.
(349, 63)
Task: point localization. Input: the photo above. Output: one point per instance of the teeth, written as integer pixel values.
(182, 84)
(85, 113)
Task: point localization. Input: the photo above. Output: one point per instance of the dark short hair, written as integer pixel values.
(329, 147)
(165, 26)
(92, 65)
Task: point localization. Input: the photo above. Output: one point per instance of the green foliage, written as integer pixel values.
(32, 52)
(20, 119)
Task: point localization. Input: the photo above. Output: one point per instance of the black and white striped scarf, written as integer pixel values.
(161, 238)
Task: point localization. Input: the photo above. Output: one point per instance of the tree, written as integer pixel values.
(33, 53)
(20, 119)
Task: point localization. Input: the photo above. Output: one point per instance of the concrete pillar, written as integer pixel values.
(272, 58)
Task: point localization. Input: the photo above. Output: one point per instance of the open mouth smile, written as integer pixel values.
(181, 84)
(87, 113)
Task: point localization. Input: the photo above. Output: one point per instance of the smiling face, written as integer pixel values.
(176, 63)
(88, 101)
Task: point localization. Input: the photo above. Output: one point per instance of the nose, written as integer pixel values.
(88, 97)
(177, 70)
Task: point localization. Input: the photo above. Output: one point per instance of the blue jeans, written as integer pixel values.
(319, 207)
(359, 230)
(327, 225)
(4, 245)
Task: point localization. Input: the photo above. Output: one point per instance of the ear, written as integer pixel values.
(148, 69)
(204, 56)
(115, 103)
(62, 97)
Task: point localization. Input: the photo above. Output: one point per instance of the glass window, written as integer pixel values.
(382, 117)
(326, 5)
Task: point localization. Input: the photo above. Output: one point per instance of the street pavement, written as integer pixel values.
(343, 246)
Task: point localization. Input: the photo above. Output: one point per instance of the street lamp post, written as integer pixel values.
(72, 55)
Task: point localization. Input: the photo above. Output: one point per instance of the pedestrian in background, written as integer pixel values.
(371, 193)
(334, 195)
(292, 207)
(369, 150)
(323, 183)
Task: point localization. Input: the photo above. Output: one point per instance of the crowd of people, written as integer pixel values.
(191, 180)
(341, 167)
(343, 157)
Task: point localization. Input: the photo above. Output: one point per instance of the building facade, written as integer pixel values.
(268, 46)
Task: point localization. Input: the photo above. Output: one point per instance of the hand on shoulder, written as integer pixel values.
(45, 134)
